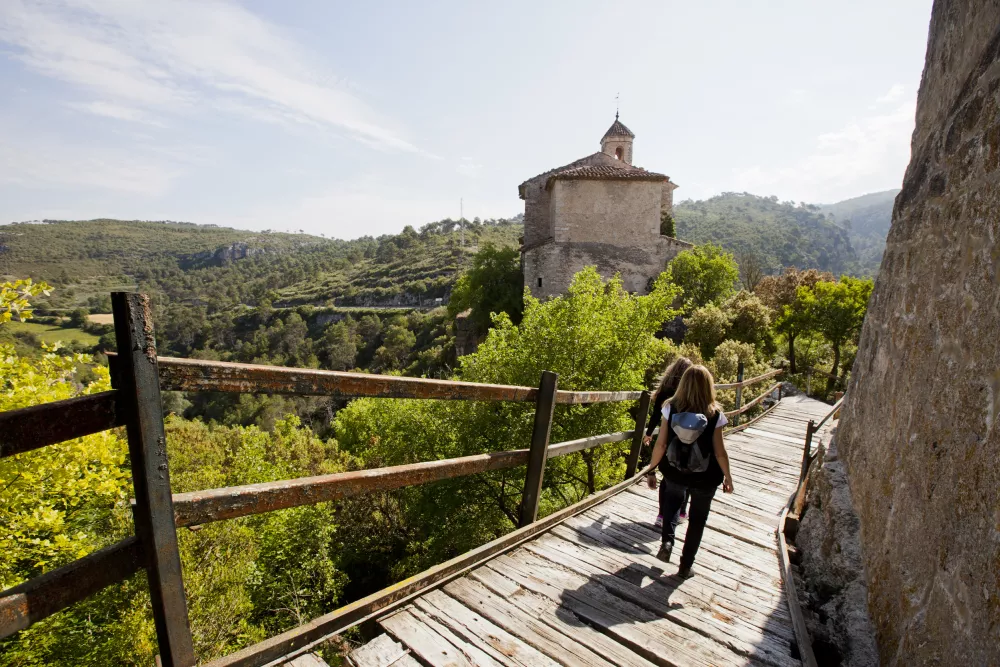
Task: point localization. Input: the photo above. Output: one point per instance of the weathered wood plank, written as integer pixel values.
(379, 652)
(37, 426)
(432, 648)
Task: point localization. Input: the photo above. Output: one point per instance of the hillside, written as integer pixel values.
(780, 233)
(220, 268)
(866, 219)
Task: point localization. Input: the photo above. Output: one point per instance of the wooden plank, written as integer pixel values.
(673, 603)
(379, 652)
(432, 648)
(775, 436)
(660, 640)
(549, 612)
(760, 609)
(30, 602)
(307, 660)
(199, 507)
(533, 632)
(481, 632)
(473, 653)
(36, 426)
(400, 593)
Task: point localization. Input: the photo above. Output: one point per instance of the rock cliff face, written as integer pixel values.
(920, 432)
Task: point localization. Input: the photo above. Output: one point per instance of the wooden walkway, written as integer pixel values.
(589, 591)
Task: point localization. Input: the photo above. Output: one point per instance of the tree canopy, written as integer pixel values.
(706, 274)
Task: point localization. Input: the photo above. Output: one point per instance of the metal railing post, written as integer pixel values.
(806, 449)
(739, 393)
(139, 383)
(544, 408)
(640, 430)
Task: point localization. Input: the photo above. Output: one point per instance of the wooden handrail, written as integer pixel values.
(759, 378)
(754, 402)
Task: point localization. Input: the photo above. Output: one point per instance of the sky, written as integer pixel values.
(356, 118)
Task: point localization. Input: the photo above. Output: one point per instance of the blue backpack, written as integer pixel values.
(683, 452)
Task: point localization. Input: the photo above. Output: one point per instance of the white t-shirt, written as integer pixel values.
(723, 420)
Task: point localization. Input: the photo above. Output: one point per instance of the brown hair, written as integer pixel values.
(672, 376)
(696, 392)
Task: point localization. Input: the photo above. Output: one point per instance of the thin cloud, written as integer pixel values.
(117, 112)
(870, 150)
(180, 56)
(895, 93)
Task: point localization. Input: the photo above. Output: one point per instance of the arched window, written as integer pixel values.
(619, 153)
(539, 282)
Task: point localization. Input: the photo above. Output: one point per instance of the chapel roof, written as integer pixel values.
(618, 129)
(606, 172)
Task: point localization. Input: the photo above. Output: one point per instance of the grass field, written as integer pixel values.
(48, 333)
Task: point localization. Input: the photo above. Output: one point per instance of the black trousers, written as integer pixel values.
(672, 497)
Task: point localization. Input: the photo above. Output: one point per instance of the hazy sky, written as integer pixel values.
(353, 118)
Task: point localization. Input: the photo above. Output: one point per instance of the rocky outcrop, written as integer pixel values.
(833, 587)
(920, 432)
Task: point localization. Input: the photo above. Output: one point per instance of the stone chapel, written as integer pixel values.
(598, 211)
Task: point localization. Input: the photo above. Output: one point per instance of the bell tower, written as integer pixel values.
(617, 141)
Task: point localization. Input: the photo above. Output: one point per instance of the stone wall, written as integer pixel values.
(557, 263)
(920, 432)
(618, 212)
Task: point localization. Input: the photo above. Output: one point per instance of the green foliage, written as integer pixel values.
(866, 219)
(14, 299)
(706, 328)
(596, 336)
(667, 227)
(492, 285)
(780, 294)
(705, 273)
(779, 233)
(836, 311)
(749, 319)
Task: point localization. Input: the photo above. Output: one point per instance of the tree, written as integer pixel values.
(751, 269)
(706, 327)
(396, 345)
(340, 344)
(79, 318)
(494, 284)
(667, 227)
(749, 319)
(705, 273)
(836, 310)
(780, 294)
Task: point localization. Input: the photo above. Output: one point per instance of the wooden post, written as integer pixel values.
(739, 393)
(139, 383)
(539, 452)
(836, 397)
(640, 430)
(810, 429)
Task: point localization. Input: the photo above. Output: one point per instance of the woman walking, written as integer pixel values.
(668, 386)
(692, 458)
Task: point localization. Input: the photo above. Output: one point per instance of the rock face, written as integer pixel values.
(920, 432)
(829, 539)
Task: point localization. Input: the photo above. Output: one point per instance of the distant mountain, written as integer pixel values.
(866, 219)
(780, 233)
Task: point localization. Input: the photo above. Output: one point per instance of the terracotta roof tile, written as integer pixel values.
(607, 172)
(618, 129)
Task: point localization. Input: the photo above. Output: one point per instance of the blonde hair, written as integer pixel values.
(672, 375)
(696, 392)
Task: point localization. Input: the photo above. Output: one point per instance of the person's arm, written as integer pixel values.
(654, 418)
(722, 457)
(661, 445)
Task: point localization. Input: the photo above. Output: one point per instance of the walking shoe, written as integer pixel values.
(683, 515)
(659, 521)
(664, 553)
(685, 572)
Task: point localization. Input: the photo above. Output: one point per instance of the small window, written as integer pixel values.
(539, 282)
(619, 153)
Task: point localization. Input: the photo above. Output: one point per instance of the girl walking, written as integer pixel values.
(692, 457)
(668, 386)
